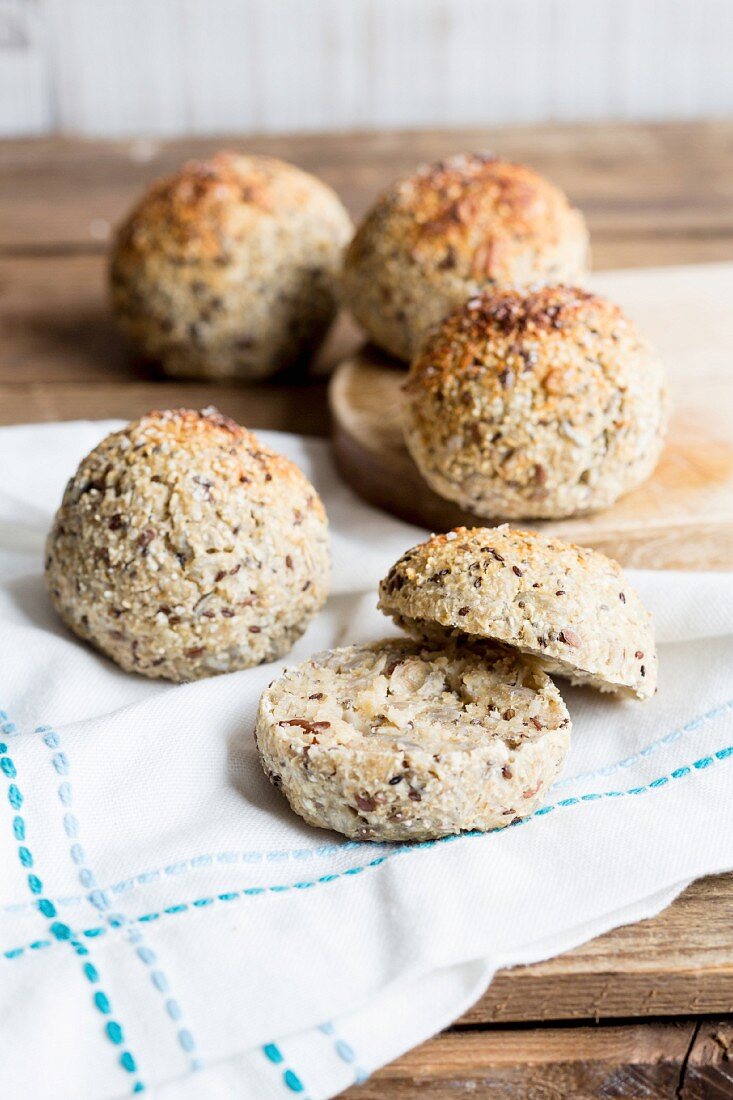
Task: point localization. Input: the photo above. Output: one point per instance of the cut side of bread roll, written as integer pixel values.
(398, 741)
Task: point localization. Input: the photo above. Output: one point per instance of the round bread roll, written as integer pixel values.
(395, 741)
(569, 607)
(535, 405)
(184, 548)
(449, 230)
(227, 269)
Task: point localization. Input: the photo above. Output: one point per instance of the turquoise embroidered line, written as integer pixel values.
(289, 1078)
(682, 772)
(181, 867)
(284, 854)
(344, 1051)
(60, 932)
(650, 748)
(101, 901)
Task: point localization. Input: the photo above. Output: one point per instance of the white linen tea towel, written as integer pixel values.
(168, 925)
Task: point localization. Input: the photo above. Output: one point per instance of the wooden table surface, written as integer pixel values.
(643, 1011)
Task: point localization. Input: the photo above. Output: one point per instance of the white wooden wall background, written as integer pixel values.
(120, 67)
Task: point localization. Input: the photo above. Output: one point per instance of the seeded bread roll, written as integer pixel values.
(449, 230)
(184, 547)
(395, 741)
(535, 405)
(569, 607)
(227, 269)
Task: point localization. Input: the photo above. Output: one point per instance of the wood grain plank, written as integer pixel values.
(577, 1063)
(651, 179)
(678, 962)
(56, 326)
(62, 358)
(709, 1071)
(55, 323)
(301, 409)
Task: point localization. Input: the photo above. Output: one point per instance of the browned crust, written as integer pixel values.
(569, 606)
(200, 428)
(533, 548)
(191, 206)
(470, 213)
(191, 419)
(501, 334)
(190, 203)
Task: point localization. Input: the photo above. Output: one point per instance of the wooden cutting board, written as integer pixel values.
(681, 518)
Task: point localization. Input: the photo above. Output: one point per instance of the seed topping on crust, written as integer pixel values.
(540, 595)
